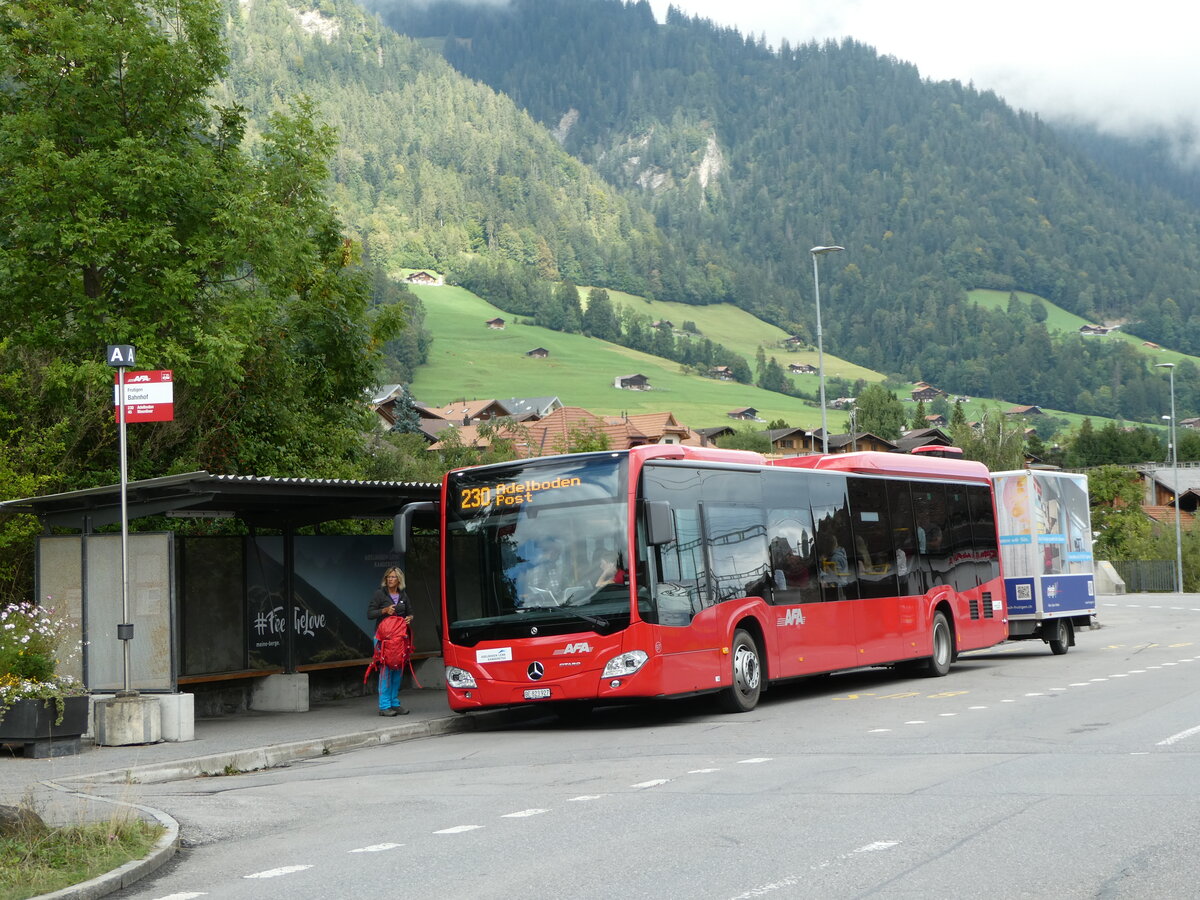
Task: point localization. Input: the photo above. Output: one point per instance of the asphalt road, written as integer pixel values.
(1021, 774)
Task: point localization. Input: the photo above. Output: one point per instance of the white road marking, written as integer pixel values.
(187, 895)
(757, 759)
(702, 771)
(976, 707)
(1119, 675)
(458, 829)
(275, 873)
(654, 782)
(878, 730)
(947, 715)
(1035, 694)
(583, 798)
(789, 881)
(524, 814)
(1080, 683)
(375, 848)
(1179, 737)
(916, 722)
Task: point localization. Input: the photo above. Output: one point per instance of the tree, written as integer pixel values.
(880, 412)
(918, 418)
(133, 216)
(997, 444)
(600, 319)
(1123, 530)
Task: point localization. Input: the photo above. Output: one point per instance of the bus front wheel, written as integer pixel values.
(943, 647)
(746, 675)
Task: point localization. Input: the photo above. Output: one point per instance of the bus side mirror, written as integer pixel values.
(660, 524)
(402, 524)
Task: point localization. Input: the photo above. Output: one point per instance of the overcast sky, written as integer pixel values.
(1127, 67)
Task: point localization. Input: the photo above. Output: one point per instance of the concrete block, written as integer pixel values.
(431, 673)
(1108, 581)
(280, 693)
(121, 721)
(178, 716)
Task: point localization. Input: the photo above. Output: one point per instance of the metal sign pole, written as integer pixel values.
(122, 356)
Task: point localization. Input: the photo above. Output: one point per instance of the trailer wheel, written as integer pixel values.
(1060, 643)
(746, 675)
(938, 664)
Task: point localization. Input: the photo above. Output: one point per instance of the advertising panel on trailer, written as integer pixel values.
(1046, 554)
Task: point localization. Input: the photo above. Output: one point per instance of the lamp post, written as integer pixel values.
(818, 251)
(1170, 367)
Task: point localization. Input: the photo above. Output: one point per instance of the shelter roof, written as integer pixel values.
(261, 501)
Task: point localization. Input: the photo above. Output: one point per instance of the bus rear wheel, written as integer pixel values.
(943, 647)
(746, 676)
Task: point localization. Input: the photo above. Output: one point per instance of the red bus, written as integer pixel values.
(664, 571)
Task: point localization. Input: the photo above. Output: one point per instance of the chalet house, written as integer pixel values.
(802, 369)
(795, 342)
(662, 428)
(1094, 329)
(424, 278)
(723, 373)
(936, 421)
(1151, 345)
(538, 353)
(710, 436)
(926, 393)
(789, 441)
(1024, 411)
(525, 409)
(632, 382)
(923, 437)
(662, 323)
(745, 413)
(1189, 423)
(555, 433)
(842, 402)
(1161, 489)
(860, 440)
(472, 412)
(496, 323)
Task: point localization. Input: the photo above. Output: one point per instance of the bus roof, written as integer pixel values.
(870, 462)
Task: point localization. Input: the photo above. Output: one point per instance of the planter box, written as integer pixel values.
(29, 721)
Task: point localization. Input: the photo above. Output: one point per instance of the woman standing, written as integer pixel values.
(390, 600)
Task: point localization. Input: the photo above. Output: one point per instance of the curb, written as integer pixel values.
(134, 870)
(242, 761)
(259, 758)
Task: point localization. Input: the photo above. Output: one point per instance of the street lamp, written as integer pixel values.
(818, 251)
(1170, 367)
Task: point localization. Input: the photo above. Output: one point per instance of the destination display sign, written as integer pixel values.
(517, 493)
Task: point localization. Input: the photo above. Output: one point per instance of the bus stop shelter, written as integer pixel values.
(220, 609)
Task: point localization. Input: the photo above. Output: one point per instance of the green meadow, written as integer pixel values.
(469, 360)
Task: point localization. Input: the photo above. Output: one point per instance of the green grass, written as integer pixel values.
(741, 332)
(37, 860)
(470, 360)
(1059, 320)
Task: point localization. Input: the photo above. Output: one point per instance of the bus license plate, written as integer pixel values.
(537, 693)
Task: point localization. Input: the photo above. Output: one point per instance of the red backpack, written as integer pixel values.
(393, 646)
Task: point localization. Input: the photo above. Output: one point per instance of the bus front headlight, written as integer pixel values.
(459, 678)
(625, 664)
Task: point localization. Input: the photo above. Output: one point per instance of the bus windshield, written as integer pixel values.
(537, 547)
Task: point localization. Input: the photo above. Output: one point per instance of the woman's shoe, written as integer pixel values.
(388, 712)
(398, 711)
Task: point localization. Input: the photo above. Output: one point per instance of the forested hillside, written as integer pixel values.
(933, 187)
(433, 167)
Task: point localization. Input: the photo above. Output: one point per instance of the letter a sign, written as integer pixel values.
(121, 356)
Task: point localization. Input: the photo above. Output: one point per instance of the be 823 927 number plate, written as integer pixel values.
(537, 693)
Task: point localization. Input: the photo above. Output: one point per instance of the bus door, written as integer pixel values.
(877, 626)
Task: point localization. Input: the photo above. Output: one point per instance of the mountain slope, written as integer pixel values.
(934, 188)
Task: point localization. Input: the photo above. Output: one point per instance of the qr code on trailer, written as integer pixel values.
(1024, 591)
